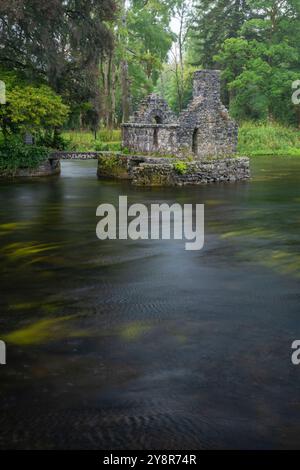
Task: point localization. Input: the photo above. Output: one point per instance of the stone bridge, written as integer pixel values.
(74, 155)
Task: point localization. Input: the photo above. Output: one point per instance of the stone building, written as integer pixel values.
(203, 129)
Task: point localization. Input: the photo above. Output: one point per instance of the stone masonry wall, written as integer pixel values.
(195, 173)
(203, 129)
(153, 110)
(147, 138)
(150, 171)
(49, 167)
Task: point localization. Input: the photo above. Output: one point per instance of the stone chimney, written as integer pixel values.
(207, 85)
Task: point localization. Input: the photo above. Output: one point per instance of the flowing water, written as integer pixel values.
(141, 344)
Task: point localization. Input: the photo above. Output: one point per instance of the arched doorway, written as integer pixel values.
(195, 141)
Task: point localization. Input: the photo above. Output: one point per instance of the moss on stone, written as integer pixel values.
(180, 167)
(112, 165)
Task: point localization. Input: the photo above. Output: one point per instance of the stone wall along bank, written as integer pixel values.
(49, 167)
(152, 171)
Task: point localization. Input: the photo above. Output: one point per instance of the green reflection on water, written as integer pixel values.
(18, 250)
(133, 331)
(44, 331)
(283, 262)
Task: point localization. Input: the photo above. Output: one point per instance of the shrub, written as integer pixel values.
(180, 167)
(32, 108)
(54, 140)
(14, 154)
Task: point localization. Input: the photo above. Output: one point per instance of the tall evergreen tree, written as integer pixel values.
(214, 23)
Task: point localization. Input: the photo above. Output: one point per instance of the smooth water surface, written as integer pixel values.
(141, 344)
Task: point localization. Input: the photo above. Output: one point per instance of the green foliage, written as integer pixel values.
(107, 146)
(53, 140)
(60, 42)
(110, 162)
(143, 39)
(180, 167)
(109, 135)
(268, 139)
(14, 155)
(167, 85)
(31, 108)
(260, 78)
(214, 23)
(86, 142)
(257, 45)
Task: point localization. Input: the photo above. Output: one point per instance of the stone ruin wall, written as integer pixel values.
(150, 138)
(203, 129)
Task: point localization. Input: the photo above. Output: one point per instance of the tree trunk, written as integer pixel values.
(112, 119)
(125, 91)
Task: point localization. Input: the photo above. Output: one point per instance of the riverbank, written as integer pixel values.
(268, 139)
(254, 140)
(18, 159)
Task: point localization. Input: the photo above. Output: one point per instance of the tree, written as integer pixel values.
(261, 66)
(31, 109)
(257, 44)
(214, 23)
(168, 85)
(184, 15)
(142, 39)
(59, 42)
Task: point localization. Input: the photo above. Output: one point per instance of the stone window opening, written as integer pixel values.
(155, 138)
(157, 120)
(195, 141)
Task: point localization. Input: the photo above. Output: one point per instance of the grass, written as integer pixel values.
(84, 141)
(268, 139)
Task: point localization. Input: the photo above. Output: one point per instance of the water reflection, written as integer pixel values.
(140, 344)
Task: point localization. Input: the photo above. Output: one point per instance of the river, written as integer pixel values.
(141, 344)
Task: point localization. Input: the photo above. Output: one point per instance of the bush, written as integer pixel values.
(14, 154)
(32, 108)
(54, 140)
(180, 168)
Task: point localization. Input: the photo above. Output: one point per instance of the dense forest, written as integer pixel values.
(85, 64)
